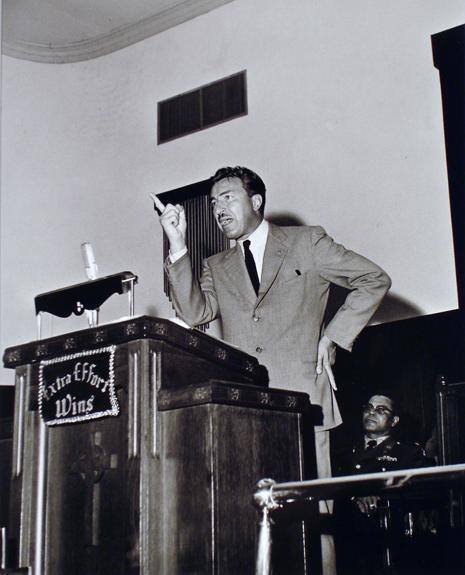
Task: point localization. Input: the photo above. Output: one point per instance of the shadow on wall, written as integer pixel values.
(285, 219)
(395, 307)
(392, 308)
(152, 311)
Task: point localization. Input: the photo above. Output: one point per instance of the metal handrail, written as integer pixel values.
(270, 495)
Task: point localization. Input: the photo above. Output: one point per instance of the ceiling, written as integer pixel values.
(59, 31)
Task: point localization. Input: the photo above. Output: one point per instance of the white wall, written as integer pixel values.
(344, 126)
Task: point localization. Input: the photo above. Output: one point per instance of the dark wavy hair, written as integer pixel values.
(251, 181)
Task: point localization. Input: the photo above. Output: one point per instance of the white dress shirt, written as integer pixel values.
(377, 439)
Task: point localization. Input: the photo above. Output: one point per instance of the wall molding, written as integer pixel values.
(112, 41)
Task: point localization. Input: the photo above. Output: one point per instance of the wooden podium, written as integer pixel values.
(165, 484)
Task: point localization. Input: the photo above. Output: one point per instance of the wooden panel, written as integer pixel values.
(148, 491)
(87, 499)
(23, 486)
(449, 57)
(7, 396)
(403, 358)
(212, 457)
(187, 474)
(248, 445)
(86, 503)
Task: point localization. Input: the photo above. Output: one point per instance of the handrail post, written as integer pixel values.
(263, 563)
(263, 499)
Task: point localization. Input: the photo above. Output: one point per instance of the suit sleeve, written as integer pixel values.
(195, 302)
(367, 283)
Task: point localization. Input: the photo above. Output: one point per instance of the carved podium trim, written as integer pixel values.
(144, 327)
(231, 393)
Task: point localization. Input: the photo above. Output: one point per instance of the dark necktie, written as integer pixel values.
(371, 445)
(251, 267)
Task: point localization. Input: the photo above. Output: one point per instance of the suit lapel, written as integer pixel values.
(234, 267)
(275, 251)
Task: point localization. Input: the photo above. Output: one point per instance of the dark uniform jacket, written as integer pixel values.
(389, 455)
(361, 542)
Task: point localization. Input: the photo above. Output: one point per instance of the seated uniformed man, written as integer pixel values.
(363, 543)
(379, 449)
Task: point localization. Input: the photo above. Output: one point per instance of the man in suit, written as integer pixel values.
(271, 290)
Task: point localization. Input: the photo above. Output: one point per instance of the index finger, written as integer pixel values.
(158, 204)
(331, 377)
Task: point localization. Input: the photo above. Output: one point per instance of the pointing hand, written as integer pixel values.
(173, 221)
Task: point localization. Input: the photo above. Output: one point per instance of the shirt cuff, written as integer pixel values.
(177, 255)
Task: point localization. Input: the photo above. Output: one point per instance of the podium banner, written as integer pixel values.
(78, 387)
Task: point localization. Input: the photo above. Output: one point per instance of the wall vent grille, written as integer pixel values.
(203, 107)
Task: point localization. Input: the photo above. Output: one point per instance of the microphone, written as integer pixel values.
(89, 261)
(92, 274)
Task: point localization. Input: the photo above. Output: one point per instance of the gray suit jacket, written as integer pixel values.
(282, 325)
